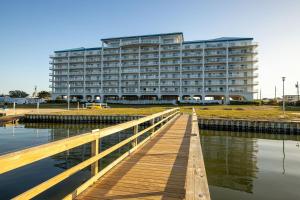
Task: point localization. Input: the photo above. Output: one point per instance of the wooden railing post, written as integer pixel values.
(95, 152)
(153, 129)
(135, 131)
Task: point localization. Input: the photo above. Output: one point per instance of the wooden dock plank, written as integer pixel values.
(156, 171)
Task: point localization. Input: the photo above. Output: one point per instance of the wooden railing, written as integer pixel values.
(21, 158)
(196, 180)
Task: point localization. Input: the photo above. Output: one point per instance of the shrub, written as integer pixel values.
(57, 101)
(271, 103)
(256, 103)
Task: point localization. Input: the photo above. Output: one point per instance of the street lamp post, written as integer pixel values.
(297, 86)
(283, 99)
(68, 96)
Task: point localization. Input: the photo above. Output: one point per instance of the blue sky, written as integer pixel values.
(31, 30)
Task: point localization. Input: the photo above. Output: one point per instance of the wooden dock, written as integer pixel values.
(156, 171)
(168, 164)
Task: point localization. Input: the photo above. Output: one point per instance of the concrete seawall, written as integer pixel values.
(35, 118)
(250, 125)
(214, 124)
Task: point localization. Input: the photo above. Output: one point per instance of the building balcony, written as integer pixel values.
(129, 85)
(110, 78)
(239, 53)
(238, 60)
(215, 61)
(170, 48)
(76, 73)
(162, 56)
(149, 77)
(58, 74)
(130, 92)
(238, 68)
(191, 76)
(76, 60)
(169, 84)
(139, 42)
(240, 44)
(215, 45)
(148, 49)
(93, 73)
(59, 55)
(130, 78)
(149, 70)
(145, 57)
(126, 71)
(111, 66)
(185, 55)
(110, 72)
(92, 85)
(58, 86)
(249, 76)
(115, 92)
(170, 63)
(129, 64)
(111, 52)
(192, 69)
(76, 85)
(89, 60)
(129, 51)
(93, 53)
(58, 62)
(169, 90)
(169, 70)
(149, 91)
(116, 58)
(169, 77)
(192, 85)
(213, 54)
(207, 76)
(76, 54)
(215, 68)
(110, 85)
(91, 79)
(192, 62)
(75, 80)
(149, 63)
(130, 58)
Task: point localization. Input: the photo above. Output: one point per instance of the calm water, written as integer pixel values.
(18, 137)
(240, 166)
(246, 166)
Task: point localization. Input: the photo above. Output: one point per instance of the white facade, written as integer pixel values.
(291, 98)
(161, 66)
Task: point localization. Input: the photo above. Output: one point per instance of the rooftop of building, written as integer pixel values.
(77, 49)
(221, 39)
(137, 36)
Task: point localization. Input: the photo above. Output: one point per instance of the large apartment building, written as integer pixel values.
(159, 66)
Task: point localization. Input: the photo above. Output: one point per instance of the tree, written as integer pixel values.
(18, 94)
(44, 95)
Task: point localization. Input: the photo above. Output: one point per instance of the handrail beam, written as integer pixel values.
(24, 157)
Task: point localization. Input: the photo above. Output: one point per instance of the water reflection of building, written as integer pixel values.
(78, 154)
(231, 162)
